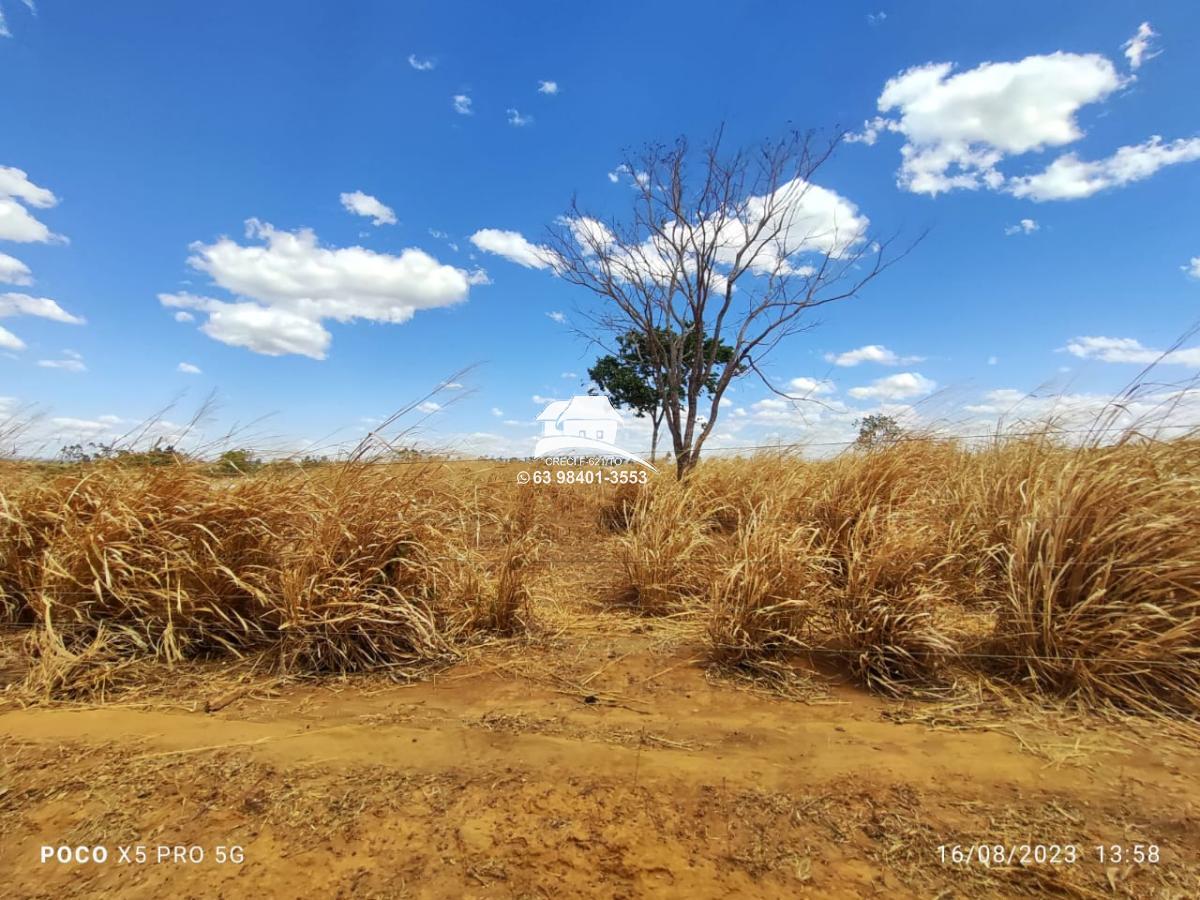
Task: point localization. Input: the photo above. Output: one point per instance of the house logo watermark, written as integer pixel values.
(583, 429)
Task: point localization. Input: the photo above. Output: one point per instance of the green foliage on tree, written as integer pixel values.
(159, 454)
(628, 378)
(877, 430)
(237, 462)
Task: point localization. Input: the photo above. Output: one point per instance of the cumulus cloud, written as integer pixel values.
(1025, 226)
(462, 105)
(810, 387)
(558, 317)
(9, 341)
(17, 192)
(1193, 267)
(287, 284)
(515, 118)
(42, 307)
(1138, 48)
(365, 205)
(70, 361)
(900, 386)
(184, 316)
(1129, 350)
(421, 65)
(871, 353)
(428, 406)
(1070, 178)
(958, 127)
(188, 369)
(513, 246)
(497, 412)
(13, 271)
(547, 87)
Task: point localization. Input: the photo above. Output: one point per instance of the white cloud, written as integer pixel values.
(810, 387)
(9, 341)
(4, 32)
(288, 284)
(900, 386)
(462, 105)
(876, 18)
(993, 360)
(1137, 48)
(513, 246)
(872, 353)
(16, 224)
(569, 375)
(188, 369)
(13, 271)
(15, 183)
(515, 118)
(365, 205)
(1193, 267)
(958, 127)
(428, 406)
(69, 362)
(270, 330)
(42, 307)
(184, 316)
(421, 65)
(497, 412)
(558, 317)
(1070, 178)
(1129, 350)
(1025, 226)
(547, 87)
(538, 398)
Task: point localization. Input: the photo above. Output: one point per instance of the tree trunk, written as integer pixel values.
(685, 461)
(657, 420)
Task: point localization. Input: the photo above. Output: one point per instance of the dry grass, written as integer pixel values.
(333, 570)
(1064, 571)
(1068, 571)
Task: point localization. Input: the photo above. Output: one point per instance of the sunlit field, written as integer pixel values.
(1050, 570)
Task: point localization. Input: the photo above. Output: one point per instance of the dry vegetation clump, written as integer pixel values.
(1099, 594)
(1072, 571)
(666, 554)
(768, 595)
(339, 569)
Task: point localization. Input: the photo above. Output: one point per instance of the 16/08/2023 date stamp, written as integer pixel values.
(989, 854)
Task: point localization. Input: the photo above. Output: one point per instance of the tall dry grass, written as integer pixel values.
(336, 569)
(1066, 570)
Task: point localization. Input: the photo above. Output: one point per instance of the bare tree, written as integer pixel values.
(721, 249)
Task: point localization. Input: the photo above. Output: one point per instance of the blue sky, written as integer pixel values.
(139, 139)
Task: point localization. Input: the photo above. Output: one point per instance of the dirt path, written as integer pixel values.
(600, 761)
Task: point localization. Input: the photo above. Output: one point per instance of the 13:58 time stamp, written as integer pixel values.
(987, 854)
